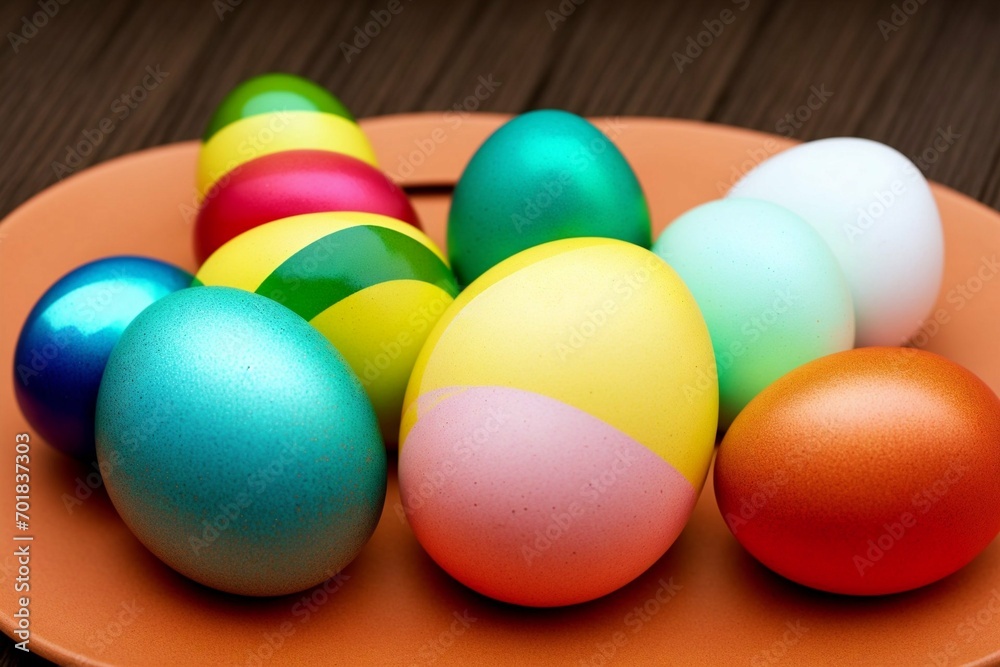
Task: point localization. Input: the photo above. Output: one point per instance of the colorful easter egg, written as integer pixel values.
(272, 92)
(867, 472)
(239, 447)
(281, 185)
(559, 423)
(543, 176)
(771, 291)
(372, 285)
(263, 134)
(876, 211)
(65, 343)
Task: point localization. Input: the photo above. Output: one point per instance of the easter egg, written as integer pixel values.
(543, 176)
(263, 134)
(272, 92)
(771, 292)
(876, 211)
(237, 445)
(291, 183)
(66, 340)
(865, 472)
(372, 285)
(559, 423)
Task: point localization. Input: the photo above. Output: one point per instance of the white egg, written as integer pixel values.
(875, 210)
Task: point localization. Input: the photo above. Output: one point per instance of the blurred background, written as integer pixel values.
(83, 82)
(114, 77)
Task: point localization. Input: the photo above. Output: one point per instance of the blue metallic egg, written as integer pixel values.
(68, 336)
(239, 446)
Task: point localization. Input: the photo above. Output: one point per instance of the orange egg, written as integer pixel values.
(866, 472)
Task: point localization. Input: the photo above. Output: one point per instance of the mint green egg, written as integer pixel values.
(543, 176)
(770, 289)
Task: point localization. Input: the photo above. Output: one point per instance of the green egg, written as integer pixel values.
(273, 92)
(543, 176)
(770, 289)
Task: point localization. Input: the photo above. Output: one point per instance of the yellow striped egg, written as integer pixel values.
(374, 286)
(559, 423)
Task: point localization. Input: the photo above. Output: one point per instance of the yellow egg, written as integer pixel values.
(263, 134)
(559, 423)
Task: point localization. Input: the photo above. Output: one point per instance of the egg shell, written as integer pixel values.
(281, 185)
(273, 92)
(556, 433)
(372, 285)
(866, 472)
(237, 445)
(876, 212)
(543, 176)
(771, 292)
(68, 336)
(263, 134)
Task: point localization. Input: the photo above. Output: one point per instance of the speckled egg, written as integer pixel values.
(559, 423)
(68, 336)
(238, 445)
(543, 176)
(877, 213)
(867, 472)
(374, 286)
(771, 291)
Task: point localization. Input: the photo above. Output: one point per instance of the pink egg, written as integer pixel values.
(483, 501)
(280, 185)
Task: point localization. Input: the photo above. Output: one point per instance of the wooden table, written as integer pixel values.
(100, 79)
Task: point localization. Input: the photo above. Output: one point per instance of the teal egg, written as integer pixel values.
(237, 444)
(770, 289)
(543, 176)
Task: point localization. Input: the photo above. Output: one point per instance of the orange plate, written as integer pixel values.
(98, 597)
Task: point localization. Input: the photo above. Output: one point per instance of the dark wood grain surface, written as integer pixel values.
(920, 75)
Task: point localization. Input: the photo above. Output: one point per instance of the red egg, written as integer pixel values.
(290, 183)
(871, 471)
